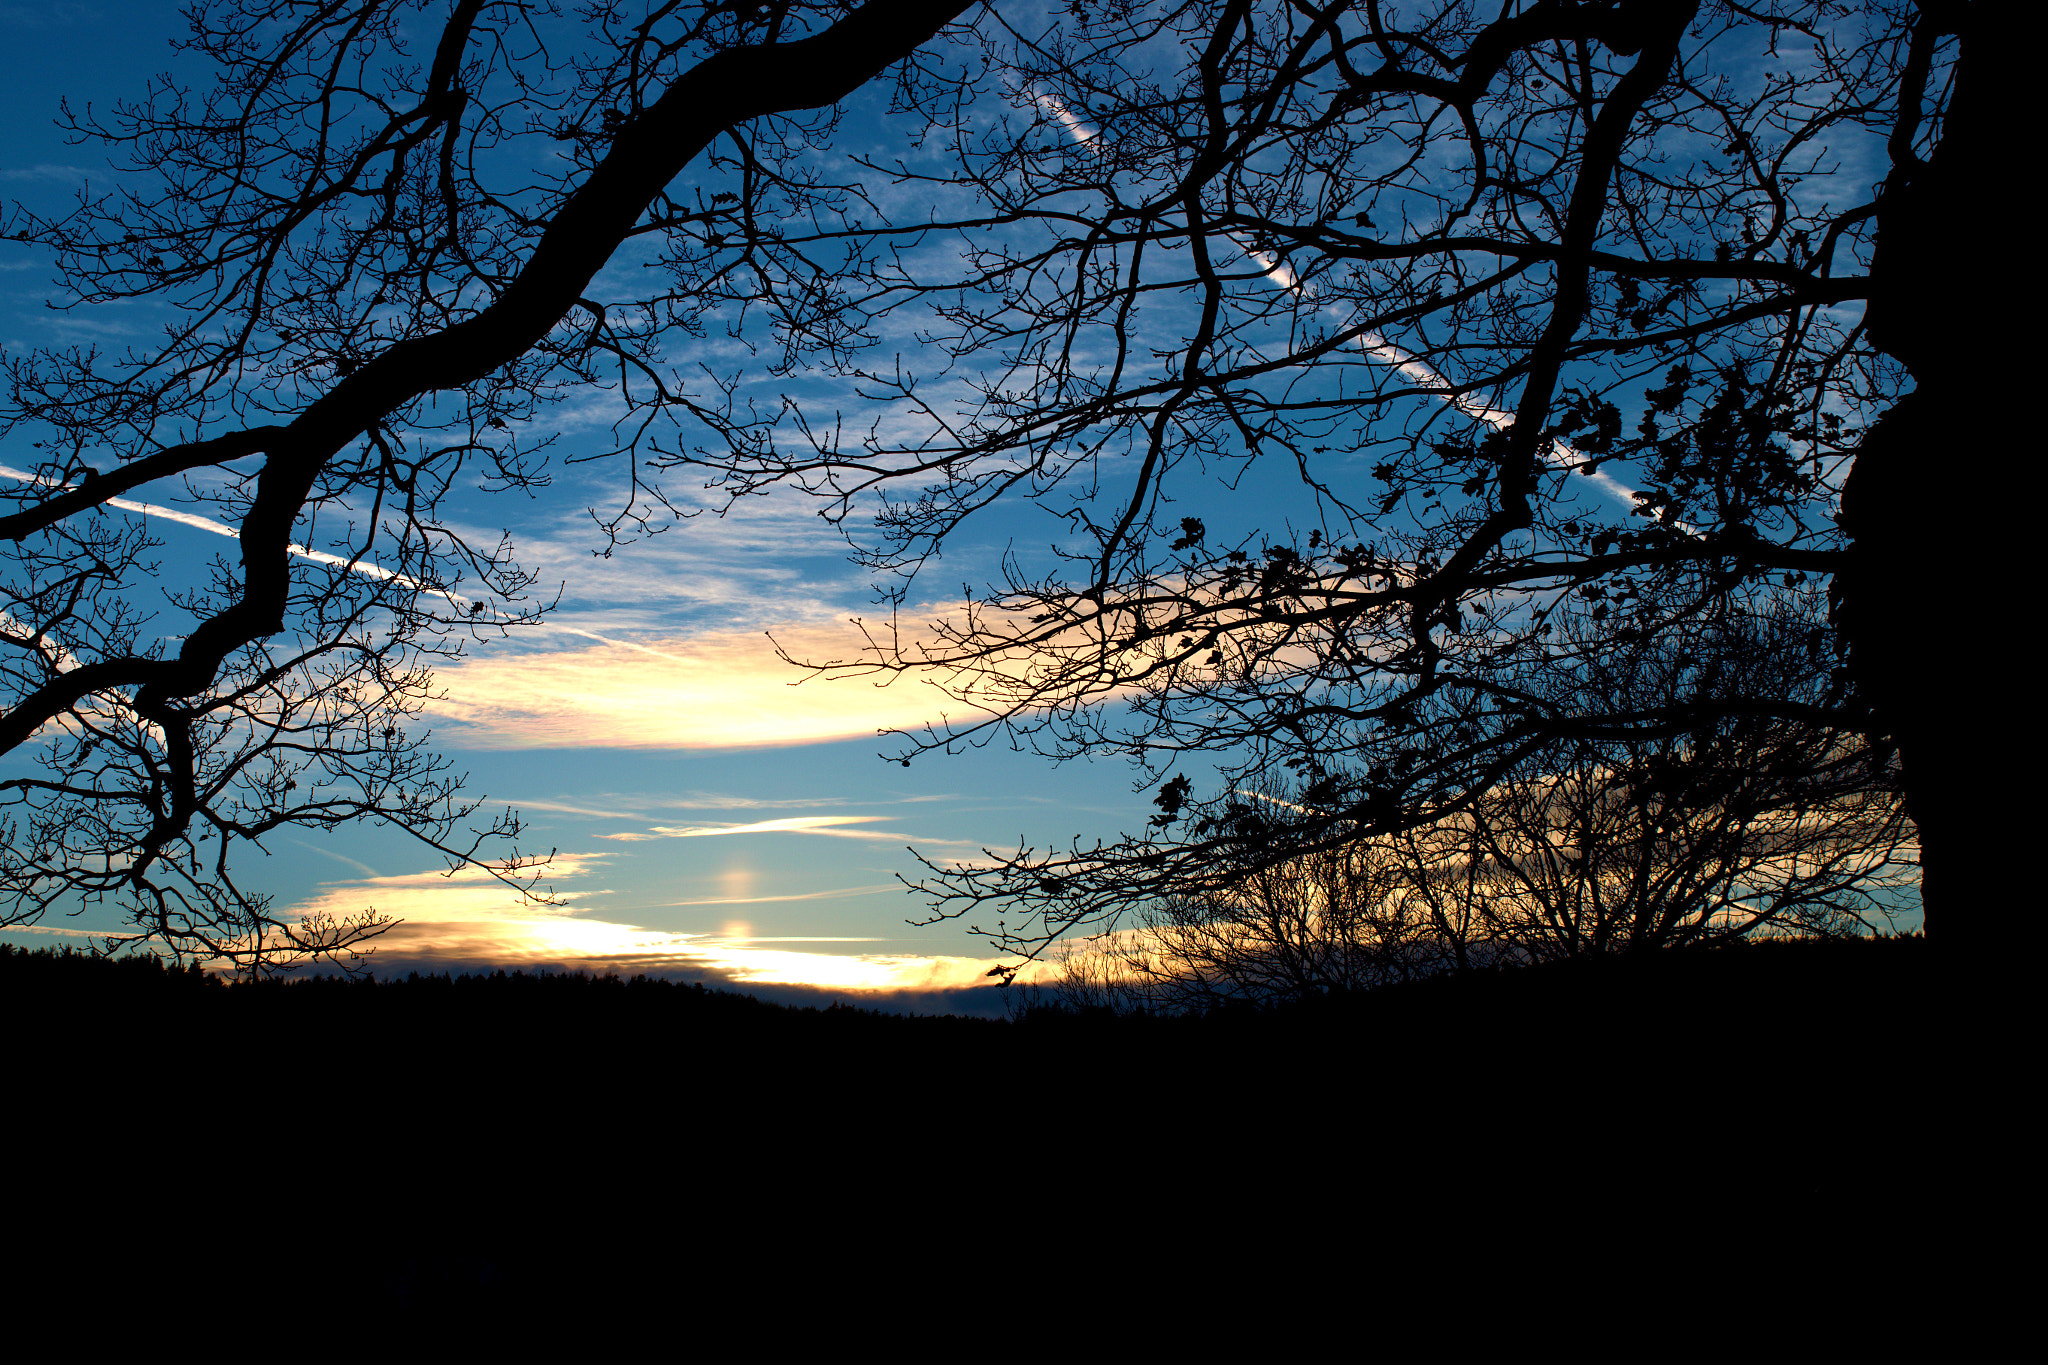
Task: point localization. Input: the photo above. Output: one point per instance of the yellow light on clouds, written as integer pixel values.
(719, 691)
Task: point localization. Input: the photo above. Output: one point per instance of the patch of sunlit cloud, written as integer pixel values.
(1056, 108)
(747, 965)
(722, 690)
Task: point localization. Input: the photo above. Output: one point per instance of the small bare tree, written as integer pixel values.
(1736, 827)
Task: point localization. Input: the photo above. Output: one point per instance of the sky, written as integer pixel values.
(717, 814)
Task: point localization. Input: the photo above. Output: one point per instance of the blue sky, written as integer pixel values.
(715, 814)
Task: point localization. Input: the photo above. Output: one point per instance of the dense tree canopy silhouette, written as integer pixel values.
(1544, 325)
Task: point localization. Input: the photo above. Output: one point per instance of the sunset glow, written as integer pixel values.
(469, 921)
(712, 691)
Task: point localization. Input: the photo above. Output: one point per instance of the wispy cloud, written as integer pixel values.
(342, 858)
(636, 806)
(661, 662)
(45, 171)
(563, 809)
(721, 690)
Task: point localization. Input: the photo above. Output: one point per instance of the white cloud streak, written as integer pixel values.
(795, 824)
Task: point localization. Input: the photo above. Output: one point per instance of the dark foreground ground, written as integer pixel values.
(408, 1149)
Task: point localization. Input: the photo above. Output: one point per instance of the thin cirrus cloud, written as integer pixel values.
(635, 807)
(837, 893)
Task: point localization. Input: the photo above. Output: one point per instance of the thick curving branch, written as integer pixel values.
(728, 88)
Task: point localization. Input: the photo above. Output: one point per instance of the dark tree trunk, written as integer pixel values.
(1932, 507)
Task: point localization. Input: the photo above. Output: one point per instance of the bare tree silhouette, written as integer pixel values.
(1552, 317)
(378, 260)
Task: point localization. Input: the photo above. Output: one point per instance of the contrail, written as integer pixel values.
(623, 644)
(199, 523)
(1272, 800)
(1372, 343)
(376, 571)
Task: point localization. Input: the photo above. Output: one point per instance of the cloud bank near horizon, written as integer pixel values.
(469, 921)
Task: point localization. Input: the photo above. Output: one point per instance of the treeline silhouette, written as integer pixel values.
(1755, 1009)
(439, 1140)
